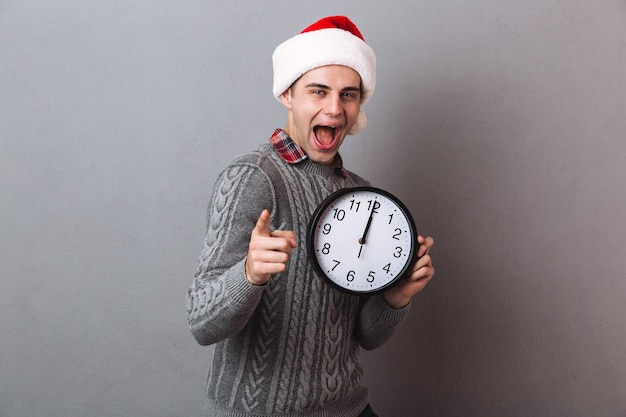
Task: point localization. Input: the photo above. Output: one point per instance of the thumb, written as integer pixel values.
(262, 226)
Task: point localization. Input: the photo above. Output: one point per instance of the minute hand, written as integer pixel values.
(367, 226)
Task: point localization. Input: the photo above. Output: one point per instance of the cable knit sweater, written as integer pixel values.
(290, 347)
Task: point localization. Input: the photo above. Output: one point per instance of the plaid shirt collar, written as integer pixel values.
(292, 153)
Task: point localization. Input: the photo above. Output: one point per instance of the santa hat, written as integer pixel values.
(333, 40)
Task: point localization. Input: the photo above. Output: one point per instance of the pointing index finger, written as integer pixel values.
(262, 226)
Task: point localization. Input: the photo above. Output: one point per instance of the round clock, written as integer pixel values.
(362, 240)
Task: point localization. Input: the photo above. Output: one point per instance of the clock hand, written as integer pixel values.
(369, 222)
(367, 227)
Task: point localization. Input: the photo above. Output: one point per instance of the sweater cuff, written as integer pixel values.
(240, 289)
(388, 314)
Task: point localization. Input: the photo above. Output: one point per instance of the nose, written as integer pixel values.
(333, 106)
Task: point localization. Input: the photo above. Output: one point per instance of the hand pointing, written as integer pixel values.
(268, 252)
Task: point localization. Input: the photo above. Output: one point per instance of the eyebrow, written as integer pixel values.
(325, 87)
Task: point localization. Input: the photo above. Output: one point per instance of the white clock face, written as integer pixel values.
(362, 239)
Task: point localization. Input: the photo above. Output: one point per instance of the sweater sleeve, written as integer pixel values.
(378, 321)
(221, 300)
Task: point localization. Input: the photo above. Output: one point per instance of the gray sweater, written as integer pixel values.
(290, 347)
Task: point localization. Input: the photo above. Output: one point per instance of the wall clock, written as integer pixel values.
(362, 240)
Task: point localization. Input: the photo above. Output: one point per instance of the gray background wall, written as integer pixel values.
(500, 123)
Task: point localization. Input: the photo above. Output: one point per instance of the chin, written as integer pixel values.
(323, 159)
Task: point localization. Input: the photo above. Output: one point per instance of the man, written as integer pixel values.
(285, 343)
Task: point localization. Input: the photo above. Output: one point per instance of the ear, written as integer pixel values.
(285, 98)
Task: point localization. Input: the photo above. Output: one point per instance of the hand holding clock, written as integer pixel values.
(268, 251)
(423, 270)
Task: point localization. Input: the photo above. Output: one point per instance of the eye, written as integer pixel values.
(350, 95)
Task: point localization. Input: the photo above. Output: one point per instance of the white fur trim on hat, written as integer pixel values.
(361, 122)
(329, 46)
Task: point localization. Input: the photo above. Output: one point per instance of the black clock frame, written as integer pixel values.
(310, 237)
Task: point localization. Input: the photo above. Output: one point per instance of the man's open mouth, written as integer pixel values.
(326, 135)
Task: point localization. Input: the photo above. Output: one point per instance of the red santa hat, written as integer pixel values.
(333, 40)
